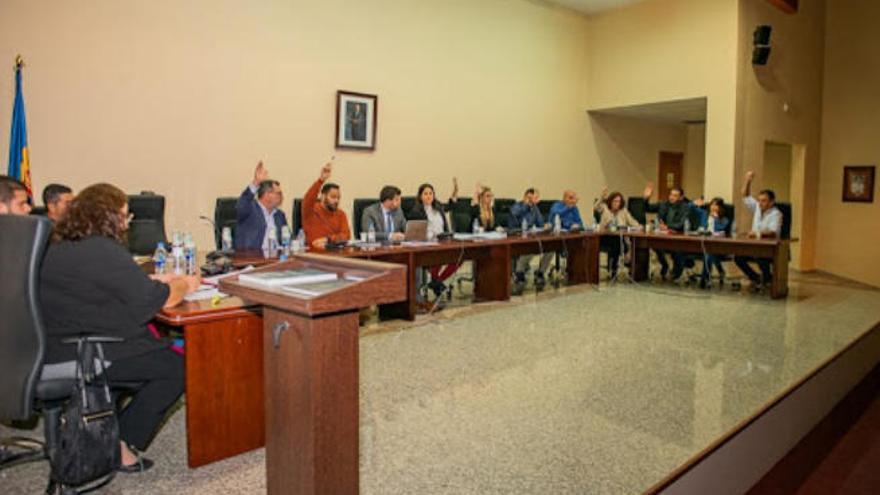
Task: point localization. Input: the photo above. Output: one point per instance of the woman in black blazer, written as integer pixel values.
(483, 208)
(89, 283)
(428, 208)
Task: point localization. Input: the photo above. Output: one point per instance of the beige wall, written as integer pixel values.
(628, 150)
(777, 170)
(793, 77)
(662, 50)
(849, 233)
(695, 160)
(184, 97)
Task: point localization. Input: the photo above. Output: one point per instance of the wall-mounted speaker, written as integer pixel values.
(761, 41)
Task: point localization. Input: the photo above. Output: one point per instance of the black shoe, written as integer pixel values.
(142, 464)
(518, 288)
(664, 271)
(540, 282)
(438, 287)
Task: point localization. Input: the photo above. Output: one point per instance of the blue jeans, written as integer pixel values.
(709, 262)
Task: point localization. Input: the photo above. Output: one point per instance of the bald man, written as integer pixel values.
(567, 211)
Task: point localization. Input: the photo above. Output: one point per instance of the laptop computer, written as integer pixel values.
(416, 230)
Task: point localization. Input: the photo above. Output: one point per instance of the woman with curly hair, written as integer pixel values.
(91, 285)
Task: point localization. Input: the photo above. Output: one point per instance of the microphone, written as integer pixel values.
(209, 220)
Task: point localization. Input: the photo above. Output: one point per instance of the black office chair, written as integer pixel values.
(785, 231)
(502, 211)
(357, 211)
(544, 207)
(147, 227)
(296, 222)
(41, 211)
(638, 208)
(23, 391)
(460, 216)
(406, 205)
(224, 216)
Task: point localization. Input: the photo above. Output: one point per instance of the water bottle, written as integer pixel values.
(557, 225)
(226, 239)
(178, 261)
(371, 234)
(612, 227)
(272, 241)
(687, 225)
(189, 254)
(657, 224)
(285, 243)
(525, 227)
(299, 244)
(159, 258)
(476, 226)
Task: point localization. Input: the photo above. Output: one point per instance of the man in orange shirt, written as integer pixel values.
(322, 219)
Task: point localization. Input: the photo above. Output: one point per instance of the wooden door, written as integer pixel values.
(669, 173)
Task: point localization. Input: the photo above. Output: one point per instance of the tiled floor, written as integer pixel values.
(581, 391)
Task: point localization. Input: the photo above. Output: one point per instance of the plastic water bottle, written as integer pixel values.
(178, 261)
(656, 225)
(189, 254)
(557, 225)
(687, 225)
(272, 241)
(160, 257)
(226, 239)
(299, 244)
(476, 226)
(525, 227)
(371, 234)
(285, 243)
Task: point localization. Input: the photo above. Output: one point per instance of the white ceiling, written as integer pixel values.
(675, 111)
(593, 6)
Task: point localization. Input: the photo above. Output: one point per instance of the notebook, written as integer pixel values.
(287, 277)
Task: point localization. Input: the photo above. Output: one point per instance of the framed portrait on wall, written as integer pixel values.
(356, 120)
(858, 183)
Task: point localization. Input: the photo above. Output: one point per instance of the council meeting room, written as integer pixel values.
(453, 247)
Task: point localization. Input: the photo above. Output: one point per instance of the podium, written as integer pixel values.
(310, 364)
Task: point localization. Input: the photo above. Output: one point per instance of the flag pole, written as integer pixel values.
(19, 62)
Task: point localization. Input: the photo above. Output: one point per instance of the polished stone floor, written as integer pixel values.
(578, 391)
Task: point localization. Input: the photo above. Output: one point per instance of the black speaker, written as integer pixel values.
(762, 35)
(760, 55)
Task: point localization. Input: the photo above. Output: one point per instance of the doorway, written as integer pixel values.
(669, 173)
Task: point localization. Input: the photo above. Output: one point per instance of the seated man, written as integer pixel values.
(567, 211)
(322, 219)
(766, 222)
(525, 214)
(13, 197)
(57, 198)
(671, 215)
(256, 210)
(385, 217)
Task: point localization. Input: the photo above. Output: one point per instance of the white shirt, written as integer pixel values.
(435, 222)
(387, 220)
(766, 221)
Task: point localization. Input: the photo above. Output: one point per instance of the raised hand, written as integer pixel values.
(604, 193)
(326, 170)
(649, 190)
(750, 175)
(260, 173)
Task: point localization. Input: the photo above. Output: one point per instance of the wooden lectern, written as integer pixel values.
(310, 363)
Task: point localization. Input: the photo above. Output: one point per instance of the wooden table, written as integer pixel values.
(492, 262)
(224, 377)
(775, 250)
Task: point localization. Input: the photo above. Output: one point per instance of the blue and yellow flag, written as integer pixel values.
(19, 165)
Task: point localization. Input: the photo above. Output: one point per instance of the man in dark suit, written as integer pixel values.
(386, 217)
(256, 210)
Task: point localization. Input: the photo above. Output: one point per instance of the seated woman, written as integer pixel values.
(428, 208)
(483, 208)
(90, 284)
(717, 223)
(614, 215)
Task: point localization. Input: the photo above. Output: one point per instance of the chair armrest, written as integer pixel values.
(93, 339)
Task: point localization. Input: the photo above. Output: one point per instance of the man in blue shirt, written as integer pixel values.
(567, 211)
(257, 210)
(526, 214)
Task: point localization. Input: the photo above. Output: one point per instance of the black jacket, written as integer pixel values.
(94, 286)
(673, 215)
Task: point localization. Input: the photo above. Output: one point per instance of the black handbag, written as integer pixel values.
(88, 436)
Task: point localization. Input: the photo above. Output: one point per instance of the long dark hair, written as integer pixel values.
(437, 205)
(96, 210)
(722, 210)
(612, 197)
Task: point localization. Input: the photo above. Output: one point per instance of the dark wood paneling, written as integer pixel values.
(224, 388)
(312, 388)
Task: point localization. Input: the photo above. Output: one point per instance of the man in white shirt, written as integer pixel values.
(766, 223)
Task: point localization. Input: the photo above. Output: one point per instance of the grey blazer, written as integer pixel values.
(373, 214)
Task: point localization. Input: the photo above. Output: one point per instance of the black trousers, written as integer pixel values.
(161, 375)
(763, 263)
(678, 260)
